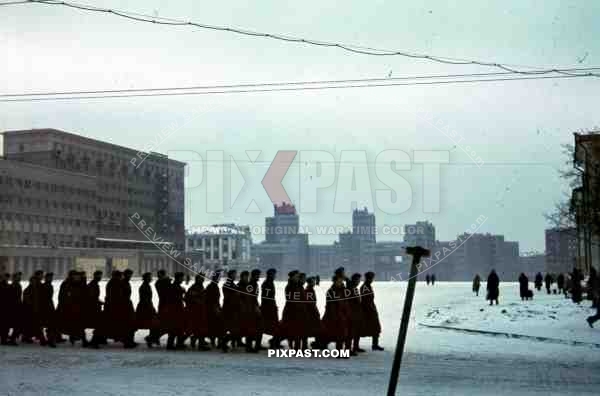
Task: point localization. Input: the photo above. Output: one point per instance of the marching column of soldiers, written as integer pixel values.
(195, 314)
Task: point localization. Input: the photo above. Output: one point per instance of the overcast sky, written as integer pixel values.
(516, 128)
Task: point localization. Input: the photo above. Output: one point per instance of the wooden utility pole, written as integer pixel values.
(417, 252)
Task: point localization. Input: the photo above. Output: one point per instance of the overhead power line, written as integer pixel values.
(275, 84)
(14, 2)
(257, 88)
(357, 49)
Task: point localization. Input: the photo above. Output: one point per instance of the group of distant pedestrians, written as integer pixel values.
(430, 279)
(570, 285)
(549, 280)
(493, 287)
(195, 314)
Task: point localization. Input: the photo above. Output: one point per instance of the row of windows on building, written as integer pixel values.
(142, 190)
(28, 184)
(107, 213)
(111, 167)
(46, 240)
(107, 221)
(30, 219)
(126, 203)
(17, 201)
(11, 221)
(111, 230)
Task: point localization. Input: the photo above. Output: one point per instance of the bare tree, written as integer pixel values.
(563, 215)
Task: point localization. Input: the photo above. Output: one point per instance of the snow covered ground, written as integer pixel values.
(551, 350)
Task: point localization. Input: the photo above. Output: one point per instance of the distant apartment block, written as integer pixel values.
(284, 248)
(422, 233)
(470, 254)
(364, 227)
(531, 264)
(561, 249)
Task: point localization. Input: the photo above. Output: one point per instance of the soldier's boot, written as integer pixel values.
(171, 342)
(375, 346)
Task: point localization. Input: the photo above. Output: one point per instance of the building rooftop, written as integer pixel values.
(284, 208)
(219, 229)
(83, 139)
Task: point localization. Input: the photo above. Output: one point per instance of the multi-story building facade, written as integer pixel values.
(283, 225)
(471, 254)
(532, 263)
(67, 201)
(422, 233)
(324, 259)
(356, 248)
(220, 246)
(46, 207)
(364, 227)
(389, 263)
(561, 249)
(284, 248)
(509, 263)
(385, 259)
(585, 198)
(128, 182)
(285, 256)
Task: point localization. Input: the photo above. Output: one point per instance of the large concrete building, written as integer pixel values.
(220, 246)
(471, 254)
(384, 258)
(561, 249)
(356, 249)
(389, 265)
(364, 227)
(68, 201)
(42, 206)
(584, 201)
(422, 233)
(532, 263)
(284, 225)
(127, 181)
(285, 248)
(324, 259)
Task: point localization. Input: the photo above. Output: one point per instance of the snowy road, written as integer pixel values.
(34, 371)
(437, 362)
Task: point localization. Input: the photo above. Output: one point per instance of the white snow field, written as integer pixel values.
(544, 347)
